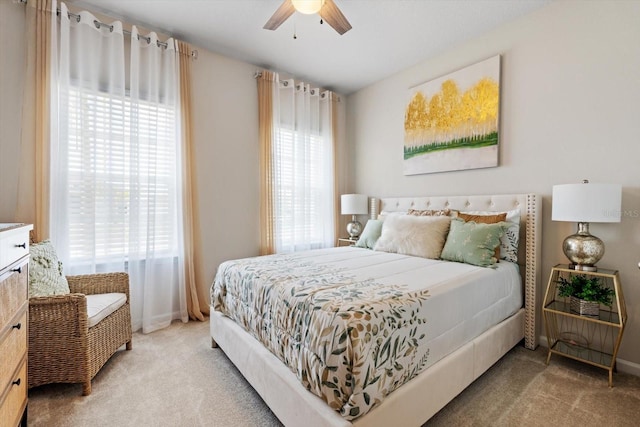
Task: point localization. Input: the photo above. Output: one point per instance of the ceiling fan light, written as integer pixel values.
(307, 7)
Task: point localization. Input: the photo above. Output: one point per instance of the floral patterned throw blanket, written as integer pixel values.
(349, 339)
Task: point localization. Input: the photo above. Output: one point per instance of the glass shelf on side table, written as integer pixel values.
(591, 339)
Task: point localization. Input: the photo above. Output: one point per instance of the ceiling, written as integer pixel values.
(387, 35)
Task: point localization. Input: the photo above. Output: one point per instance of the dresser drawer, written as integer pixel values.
(13, 347)
(15, 397)
(13, 291)
(14, 244)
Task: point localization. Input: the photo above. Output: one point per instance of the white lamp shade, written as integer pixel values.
(587, 202)
(353, 204)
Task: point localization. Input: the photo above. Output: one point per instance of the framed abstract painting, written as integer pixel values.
(451, 123)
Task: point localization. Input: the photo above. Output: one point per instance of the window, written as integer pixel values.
(303, 186)
(112, 166)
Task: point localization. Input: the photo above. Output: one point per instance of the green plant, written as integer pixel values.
(585, 288)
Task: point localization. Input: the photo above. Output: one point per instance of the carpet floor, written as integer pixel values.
(173, 378)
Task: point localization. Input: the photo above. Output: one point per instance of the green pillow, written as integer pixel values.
(370, 235)
(45, 271)
(473, 243)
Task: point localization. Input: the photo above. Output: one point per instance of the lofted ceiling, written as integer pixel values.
(387, 35)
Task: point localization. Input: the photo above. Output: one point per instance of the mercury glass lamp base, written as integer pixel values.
(354, 228)
(583, 249)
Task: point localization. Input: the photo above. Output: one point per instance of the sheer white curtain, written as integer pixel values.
(156, 243)
(116, 164)
(303, 168)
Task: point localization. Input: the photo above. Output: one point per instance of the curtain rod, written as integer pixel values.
(98, 24)
(335, 96)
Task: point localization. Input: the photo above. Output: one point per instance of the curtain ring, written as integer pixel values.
(99, 24)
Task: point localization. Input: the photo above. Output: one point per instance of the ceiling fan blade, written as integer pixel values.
(285, 10)
(332, 15)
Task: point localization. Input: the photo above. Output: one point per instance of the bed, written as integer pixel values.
(454, 361)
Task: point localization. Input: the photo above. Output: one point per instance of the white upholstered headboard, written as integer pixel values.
(530, 230)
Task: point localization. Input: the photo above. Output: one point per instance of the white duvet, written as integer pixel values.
(318, 311)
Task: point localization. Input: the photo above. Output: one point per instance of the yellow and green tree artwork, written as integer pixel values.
(448, 121)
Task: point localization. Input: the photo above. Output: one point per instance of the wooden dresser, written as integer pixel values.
(14, 310)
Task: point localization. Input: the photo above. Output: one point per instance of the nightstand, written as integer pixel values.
(346, 241)
(593, 339)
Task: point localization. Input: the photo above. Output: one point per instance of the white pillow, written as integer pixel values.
(422, 236)
(510, 240)
(385, 214)
(45, 271)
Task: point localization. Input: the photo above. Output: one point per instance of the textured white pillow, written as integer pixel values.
(385, 214)
(45, 271)
(422, 236)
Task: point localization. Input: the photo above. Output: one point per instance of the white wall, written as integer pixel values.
(12, 62)
(225, 117)
(570, 109)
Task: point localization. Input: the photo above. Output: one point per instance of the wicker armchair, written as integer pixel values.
(62, 349)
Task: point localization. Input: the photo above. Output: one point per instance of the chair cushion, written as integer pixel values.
(45, 271)
(100, 306)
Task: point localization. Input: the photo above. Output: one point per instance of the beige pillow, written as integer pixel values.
(422, 236)
(482, 219)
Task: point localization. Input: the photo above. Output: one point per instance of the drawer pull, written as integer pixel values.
(16, 382)
(17, 270)
(17, 326)
(23, 246)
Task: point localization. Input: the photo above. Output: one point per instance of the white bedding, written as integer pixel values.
(464, 301)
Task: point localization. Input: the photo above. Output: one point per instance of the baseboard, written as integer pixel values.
(623, 365)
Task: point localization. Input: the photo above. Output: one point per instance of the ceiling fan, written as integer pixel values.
(327, 10)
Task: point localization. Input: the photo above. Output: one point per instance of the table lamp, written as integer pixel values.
(353, 204)
(585, 203)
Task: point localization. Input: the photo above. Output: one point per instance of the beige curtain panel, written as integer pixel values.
(266, 86)
(333, 113)
(194, 308)
(33, 186)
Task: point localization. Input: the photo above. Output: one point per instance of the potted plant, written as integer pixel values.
(585, 293)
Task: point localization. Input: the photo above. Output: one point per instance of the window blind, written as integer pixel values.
(104, 189)
(301, 189)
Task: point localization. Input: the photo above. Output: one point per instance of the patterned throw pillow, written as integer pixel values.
(485, 219)
(45, 271)
(473, 243)
(429, 212)
(510, 240)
